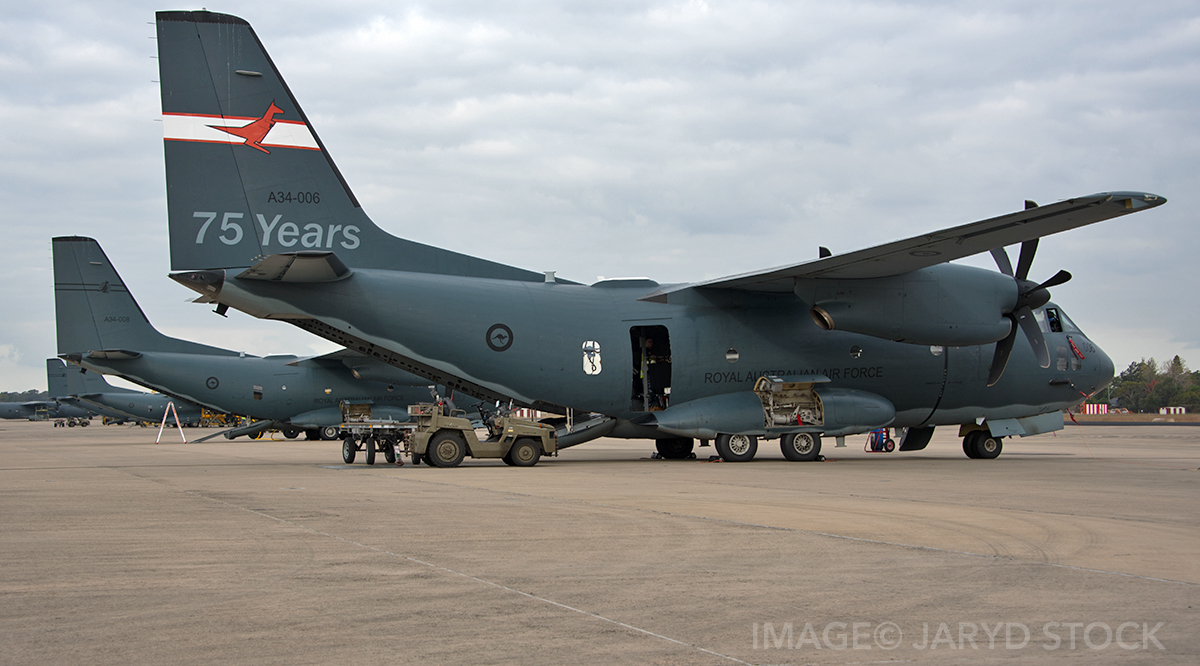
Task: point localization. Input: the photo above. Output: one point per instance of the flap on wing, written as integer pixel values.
(308, 266)
(930, 249)
(114, 354)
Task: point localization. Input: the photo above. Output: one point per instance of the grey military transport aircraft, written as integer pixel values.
(76, 386)
(102, 328)
(59, 405)
(33, 410)
(261, 220)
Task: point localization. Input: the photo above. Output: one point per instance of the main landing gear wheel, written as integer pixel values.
(329, 433)
(348, 449)
(736, 448)
(291, 433)
(969, 443)
(525, 452)
(676, 448)
(801, 447)
(389, 450)
(446, 450)
(369, 445)
(981, 444)
(988, 447)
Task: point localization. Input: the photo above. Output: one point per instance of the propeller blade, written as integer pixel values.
(1058, 278)
(1033, 332)
(1000, 358)
(1028, 249)
(1002, 261)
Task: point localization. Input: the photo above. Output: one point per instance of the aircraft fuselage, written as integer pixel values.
(263, 388)
(530, 342)
(140, 406)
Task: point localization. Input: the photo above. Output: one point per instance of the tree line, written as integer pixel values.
(1148, 385)
(23, 396)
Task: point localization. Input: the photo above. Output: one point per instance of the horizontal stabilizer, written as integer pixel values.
(298, 267)
(331, 357)
(114, 354)
(363, 367)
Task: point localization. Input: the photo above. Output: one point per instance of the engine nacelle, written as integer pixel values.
(941, 305)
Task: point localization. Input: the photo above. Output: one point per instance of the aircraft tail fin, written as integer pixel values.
(95, 311)
(248, 177)
(57, 384)
(65, 379)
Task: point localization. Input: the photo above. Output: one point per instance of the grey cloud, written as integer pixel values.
(679, 140)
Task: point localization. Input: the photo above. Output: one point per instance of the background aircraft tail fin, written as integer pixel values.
(95, 311)
(65, 379)
(247, 176)
(57, 384)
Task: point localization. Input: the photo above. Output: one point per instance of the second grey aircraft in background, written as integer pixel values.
(74, 385)
(102, 328)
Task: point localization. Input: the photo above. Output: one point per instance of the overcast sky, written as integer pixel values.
(674, 140)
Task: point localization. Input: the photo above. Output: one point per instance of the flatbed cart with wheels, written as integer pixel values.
(360, 432)
(371, 437)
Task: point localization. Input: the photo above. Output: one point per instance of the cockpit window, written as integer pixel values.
(1068, 325)
(1053, 320)
(1040, 317)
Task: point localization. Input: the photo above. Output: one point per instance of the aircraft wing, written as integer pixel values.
(934, 248)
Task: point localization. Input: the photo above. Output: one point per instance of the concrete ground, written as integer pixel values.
(1082, 545)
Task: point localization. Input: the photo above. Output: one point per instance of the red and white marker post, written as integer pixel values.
(170, 410)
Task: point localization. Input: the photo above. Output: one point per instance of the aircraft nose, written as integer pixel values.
(1104, 368)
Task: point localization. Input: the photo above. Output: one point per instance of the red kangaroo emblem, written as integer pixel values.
(256, 131)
